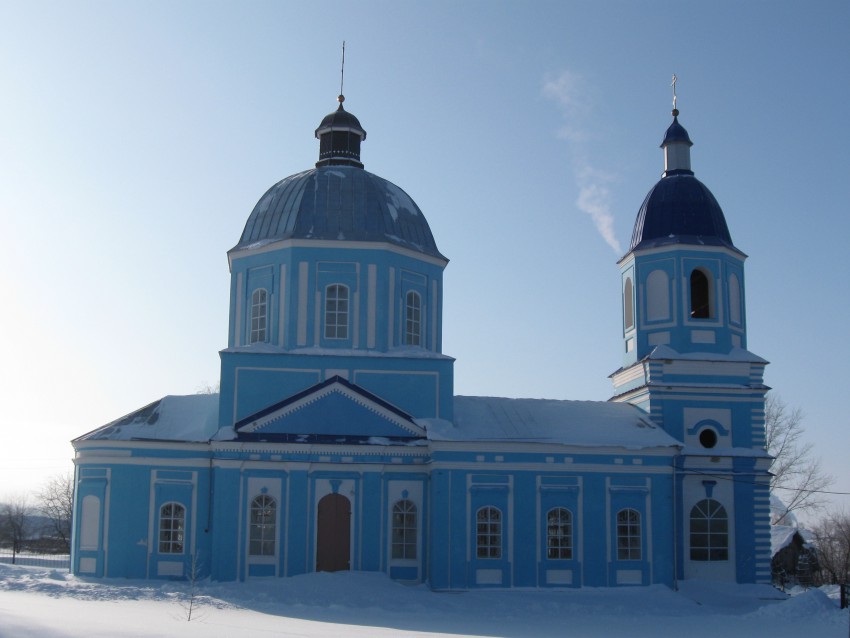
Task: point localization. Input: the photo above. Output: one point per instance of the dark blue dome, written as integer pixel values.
(341, 203)
(676, 133)
(680, 210)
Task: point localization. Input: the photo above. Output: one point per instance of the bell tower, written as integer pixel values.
(683, 278)
(686, 363)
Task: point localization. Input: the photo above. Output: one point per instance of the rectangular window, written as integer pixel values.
(559, 534)
(263, 526)
(628, 535)
(259, 315)
(404, 530)
(336, 312)
(172, 528)
(489, 533)
(413, 320)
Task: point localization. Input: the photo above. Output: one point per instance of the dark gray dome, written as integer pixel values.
(341, 120)
(680, 210)
(339, 203)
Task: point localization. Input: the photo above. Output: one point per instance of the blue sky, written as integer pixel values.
(136, 137)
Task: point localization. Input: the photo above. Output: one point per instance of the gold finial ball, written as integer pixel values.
(675, 112)
(340, 99)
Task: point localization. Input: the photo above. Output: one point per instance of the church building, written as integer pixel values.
(336, 441)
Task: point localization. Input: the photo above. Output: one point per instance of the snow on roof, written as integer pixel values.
(171, 418)
(735, 354)
(580, 423)
(782, 535)
(194, 418)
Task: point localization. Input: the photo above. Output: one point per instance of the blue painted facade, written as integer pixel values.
(336, 441)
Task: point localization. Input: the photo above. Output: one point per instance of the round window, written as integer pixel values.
(708, 437)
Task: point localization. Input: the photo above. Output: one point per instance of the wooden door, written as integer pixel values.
(333, 537)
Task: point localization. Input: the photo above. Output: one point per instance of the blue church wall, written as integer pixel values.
(740, 485)
(662, 300)
(531, 548)
(117, 541)
(225, 524)
(251, 381)
(90, 502)
(296, 493)
(685, 415)
(752, 523)
(296, 279)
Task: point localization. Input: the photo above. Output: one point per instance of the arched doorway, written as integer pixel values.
(333, 537)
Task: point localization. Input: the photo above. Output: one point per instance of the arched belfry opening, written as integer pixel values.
(700, 295)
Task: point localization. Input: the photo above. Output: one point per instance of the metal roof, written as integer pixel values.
(340, 120)
(339, 203)
(680, 209)
(676, 133)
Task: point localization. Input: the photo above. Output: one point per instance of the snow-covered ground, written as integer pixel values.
(46, 603)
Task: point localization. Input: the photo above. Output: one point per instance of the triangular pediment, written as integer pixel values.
(335, 411)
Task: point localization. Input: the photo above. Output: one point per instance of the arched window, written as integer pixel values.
(404, 530)
(628, 305)
(559, 534)
(700, 295)
(734, 299)
(172, 528)
(336, 312)
(709, 531)
(628, 535)
(259, 315)
(261, 541)
(413, 319)
(488, 540)
(657, 296)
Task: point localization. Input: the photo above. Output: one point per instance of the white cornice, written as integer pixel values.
(317, 449)
(93, 445)
(283, 244)
(549, 449)
(668, 248)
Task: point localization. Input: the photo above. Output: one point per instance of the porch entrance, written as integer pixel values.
(333, 535)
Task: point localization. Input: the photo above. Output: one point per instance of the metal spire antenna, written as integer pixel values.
(673, 84)
(341, 97)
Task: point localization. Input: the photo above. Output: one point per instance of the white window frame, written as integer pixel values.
(262, 526)
(172, 528)
(488, 533)
(715, 544)
(337, 311)
(629, 535)
(413, 310)
(404, 530)
(259, 316)
(559, 534)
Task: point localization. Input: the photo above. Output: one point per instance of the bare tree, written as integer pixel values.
(832, 537)
(56, 502)
(14, 523)
(797, 476)
(206, 388)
